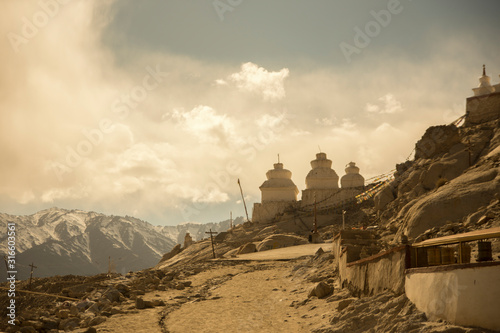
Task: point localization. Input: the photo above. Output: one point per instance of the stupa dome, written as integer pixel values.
(485, 86)
(322, 176)
(279, 185)
(352, 178)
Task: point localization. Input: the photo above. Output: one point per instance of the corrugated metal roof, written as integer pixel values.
(465, 237)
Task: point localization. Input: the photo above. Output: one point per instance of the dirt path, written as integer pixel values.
(242, 297)
(254, 298)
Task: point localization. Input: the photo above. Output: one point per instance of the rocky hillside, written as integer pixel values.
(452, 185)
(60, 241)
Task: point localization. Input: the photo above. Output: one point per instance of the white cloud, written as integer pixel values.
(221, 82)
(206, 124)
(389, 104)
(325, 121)
(255, 79)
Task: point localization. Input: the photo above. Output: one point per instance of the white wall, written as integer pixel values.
(467, 296)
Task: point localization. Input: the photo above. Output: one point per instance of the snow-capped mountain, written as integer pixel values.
(60, 242)
(196, 230)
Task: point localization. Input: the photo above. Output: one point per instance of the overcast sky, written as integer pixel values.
(155, 108)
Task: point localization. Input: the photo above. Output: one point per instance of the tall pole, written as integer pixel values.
(212, 240)
(31, 275)
(343, 219)
(243, 198)
(231, 220)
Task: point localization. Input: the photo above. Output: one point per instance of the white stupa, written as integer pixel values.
(352, 178)
(485, 86)
(322, 176)
(279, 185)
(497, 86)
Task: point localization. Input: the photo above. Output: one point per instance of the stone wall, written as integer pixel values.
(328, 197)
(482, 109)
(266, 212)
(467, 295)
(375, 274)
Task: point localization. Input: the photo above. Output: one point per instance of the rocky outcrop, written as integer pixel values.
(437, 140)
(247, 248)
(454, 175)
(175, 251)
(280, 240)
(462, 197)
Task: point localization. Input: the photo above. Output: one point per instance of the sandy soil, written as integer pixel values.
(251, 301)
(248, 297)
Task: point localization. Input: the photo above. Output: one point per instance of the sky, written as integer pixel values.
(154, 109)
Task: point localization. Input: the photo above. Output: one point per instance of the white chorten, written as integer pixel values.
(484, 87)
(497, 86)
(352, 178)
(322, 176)
(279, 185)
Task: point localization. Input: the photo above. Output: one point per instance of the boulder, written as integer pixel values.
(69, 324)
(410, 182)
(383, 197)
(461, 197)
(139, 303)
(437, 140)
(97, 320)
(63, 313)
(112, 294)
(321, 290)
(344, 303)
(447, 169)
(49, 323)
(280, 240)
(247, 248)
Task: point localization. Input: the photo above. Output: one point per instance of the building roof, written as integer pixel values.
(464, 237)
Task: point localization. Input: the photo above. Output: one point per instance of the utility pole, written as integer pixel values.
(212, 240)
(231, 220)
(343, 219)
(243, 198)
(31, 274)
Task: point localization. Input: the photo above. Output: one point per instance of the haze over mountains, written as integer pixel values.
(60, 241)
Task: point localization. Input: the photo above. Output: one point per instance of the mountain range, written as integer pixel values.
(60, 242)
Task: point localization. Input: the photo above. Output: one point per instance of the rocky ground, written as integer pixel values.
(300, 295)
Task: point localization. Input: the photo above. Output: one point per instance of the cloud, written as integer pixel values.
(255, 79)
(163, 154)
(204, 123)
(389, 105)
(325, 121)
